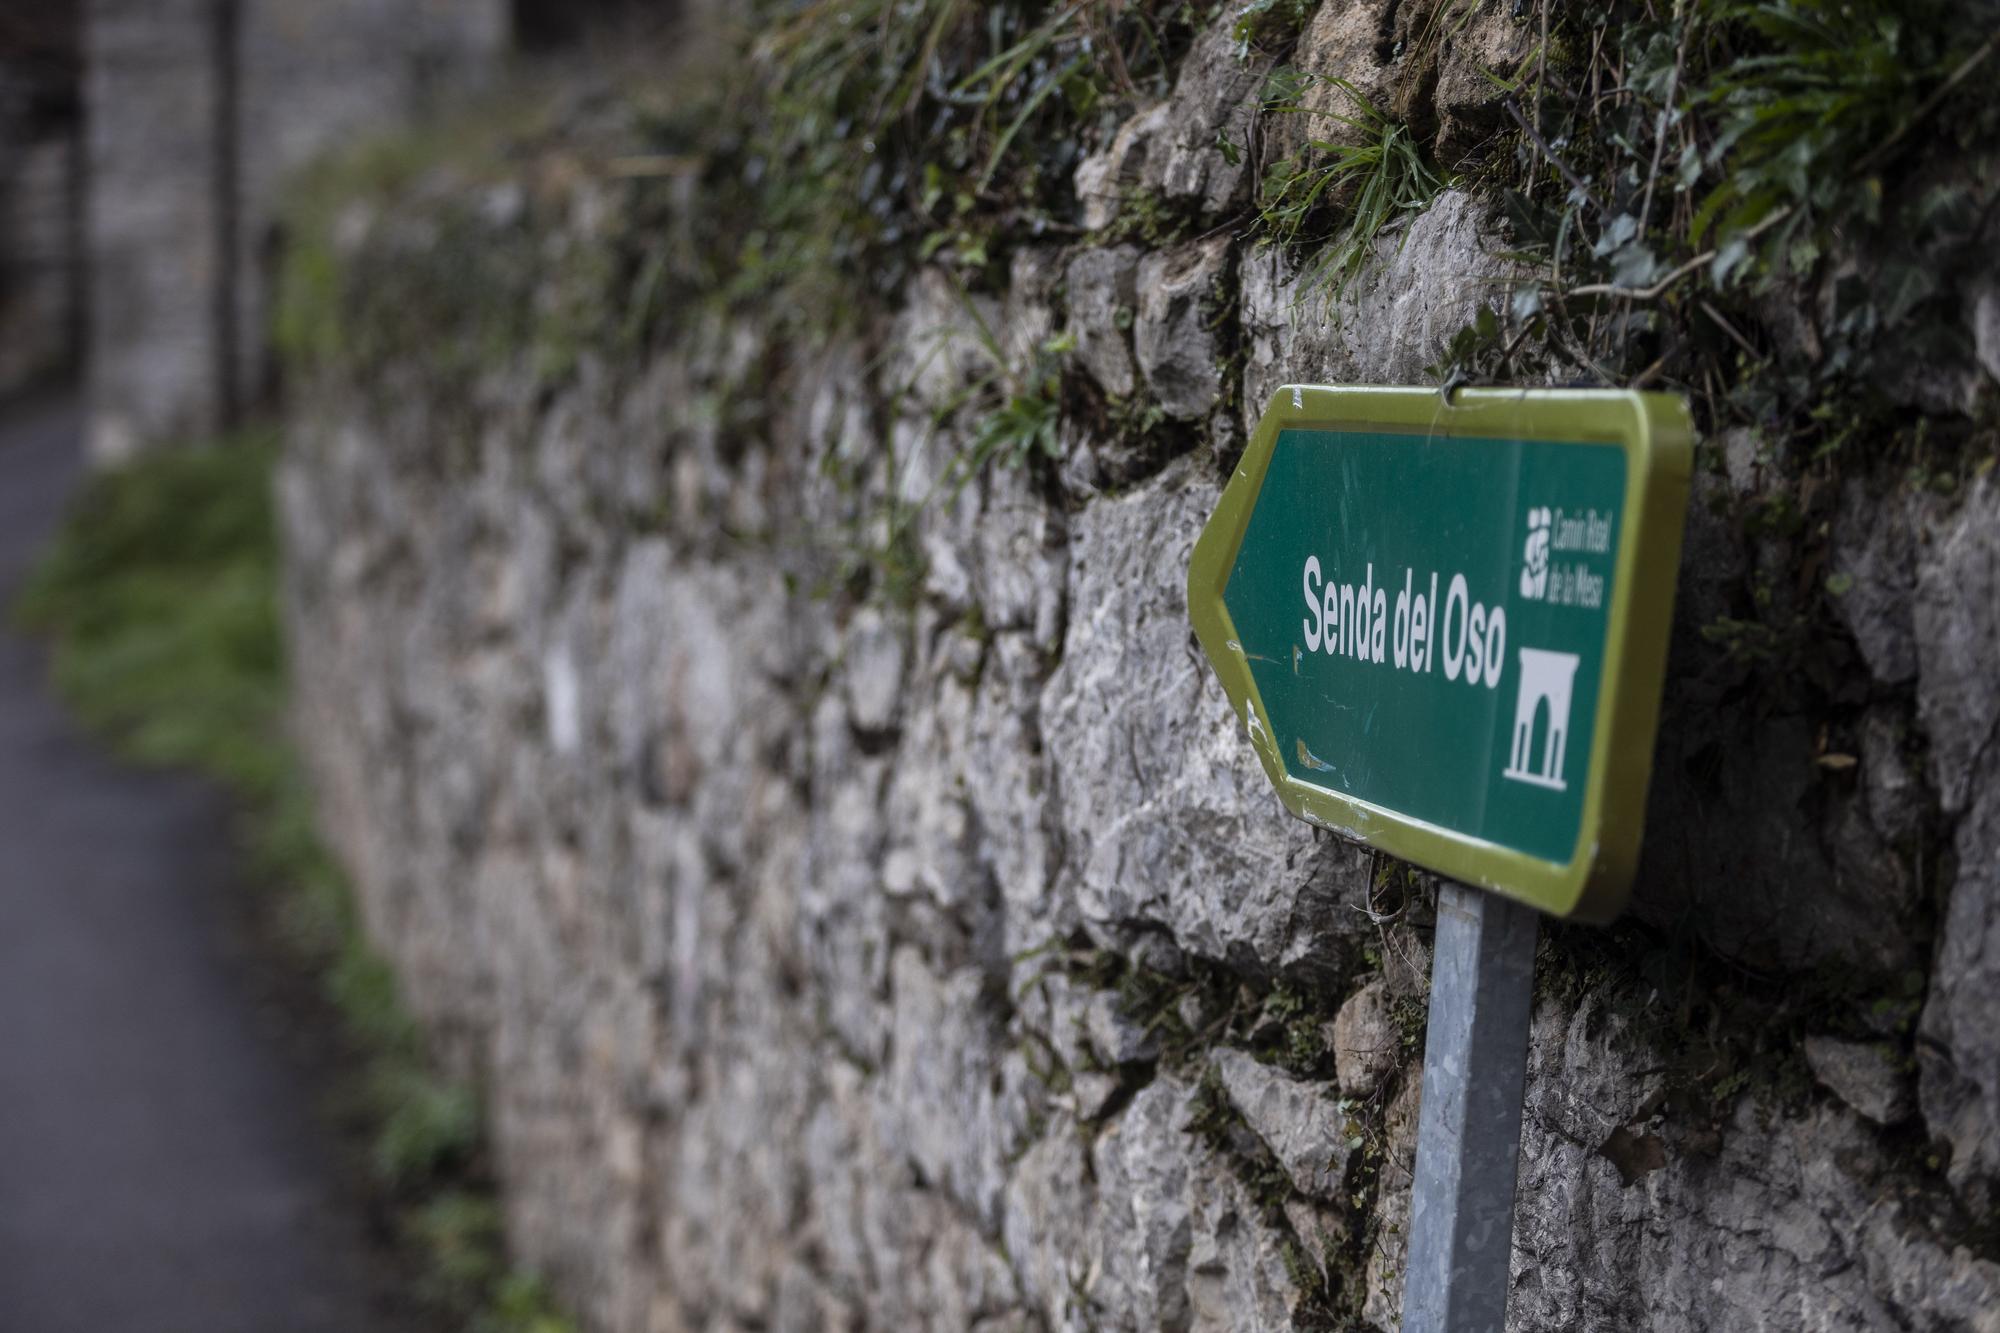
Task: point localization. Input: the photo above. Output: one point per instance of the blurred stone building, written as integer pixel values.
(197, 111)
(40, 194)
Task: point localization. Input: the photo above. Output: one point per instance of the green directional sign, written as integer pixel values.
(1444, 624)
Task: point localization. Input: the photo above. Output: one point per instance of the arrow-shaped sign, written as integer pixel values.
(1444, 623)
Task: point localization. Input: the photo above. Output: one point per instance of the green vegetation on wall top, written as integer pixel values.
(1767, 204)
(1663, 169)
(1755, 202)
(875, 134)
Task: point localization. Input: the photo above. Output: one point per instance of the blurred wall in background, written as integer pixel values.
(197, 111)
(41, 122)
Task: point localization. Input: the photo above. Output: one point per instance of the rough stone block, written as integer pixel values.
(1366, 1045)
(1103, 301)
(1305, 1125)
(1393, 321)
(1862, 1074)
(1174, 337)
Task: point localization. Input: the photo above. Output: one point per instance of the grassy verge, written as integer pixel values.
(160, 598)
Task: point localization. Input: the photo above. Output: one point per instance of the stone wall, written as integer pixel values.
(944, 960)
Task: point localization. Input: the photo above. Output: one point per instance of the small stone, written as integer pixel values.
(1301, 1123)
(1092, 1090)
(1957, 626)
(1216, 101)
(1895, 794)
(900, 871)
(1157, 952)
(1102, 284)
(1104, 179)
(1958, 1085)
(1050, 1225)
(1862, 1074)
(1488, 48)
(1986, 327)
(1365, 1041)
(503, 205)
(1743, 460)
(1173, 339)
(1321, 1230)
(959, 655)
(1395, 317)
(873, 670)
(1634, 1154)
(1340, 54)
(1028, 317)
(1143, 1226)
(1017, 558)
(1114, 1036)
(803, 1303)
(1237, 1277)
(1874, 563)
(1056, 1009)
(1869, 873)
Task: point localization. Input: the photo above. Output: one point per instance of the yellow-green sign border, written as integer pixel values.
(1658, 439)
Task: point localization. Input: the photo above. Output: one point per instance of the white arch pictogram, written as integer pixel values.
(1550, 677)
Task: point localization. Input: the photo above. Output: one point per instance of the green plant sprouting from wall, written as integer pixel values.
(1816, 97)
(1368, 185)
(161, 598)
(1015, 411)
(1026, 421)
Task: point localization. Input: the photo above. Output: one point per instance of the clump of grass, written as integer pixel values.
(1022, 427)
(1364, 188)
(160, 597)
(463, 1233)
(1022, 406)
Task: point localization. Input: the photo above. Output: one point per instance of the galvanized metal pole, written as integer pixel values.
(1469, 1128)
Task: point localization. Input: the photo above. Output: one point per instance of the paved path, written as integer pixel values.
(162, 1165)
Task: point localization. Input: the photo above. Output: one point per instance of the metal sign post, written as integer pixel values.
(1442, 621)
(1469, 1126)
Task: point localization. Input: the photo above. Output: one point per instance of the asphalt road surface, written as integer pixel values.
(163, 1164)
